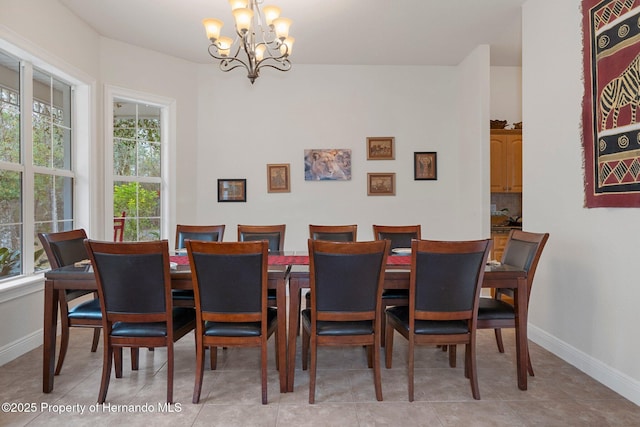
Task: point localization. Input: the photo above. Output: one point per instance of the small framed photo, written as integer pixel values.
(381, 148)
(278, 178)
(425, 166)
(232, 190)
(381, 184)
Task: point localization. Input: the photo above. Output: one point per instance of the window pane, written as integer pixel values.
(10, 223)
(124, 157)
(51, 122)
(141, 203)
(149, 159)
(9, 109)
(53, 198)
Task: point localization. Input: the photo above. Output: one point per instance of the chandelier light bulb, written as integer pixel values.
(271, 13)
(243, 18)
(212, 27)
(238, 4)
(281, 27)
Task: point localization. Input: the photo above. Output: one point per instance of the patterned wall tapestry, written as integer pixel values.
(611, 128)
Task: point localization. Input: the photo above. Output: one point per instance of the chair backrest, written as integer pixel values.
(399, 235)
(118, 227)
(523, 249)
(274, 234)
(207, 233)
(333, 233)
(346, 278)
(133, 278)
(229, 280)
(64, 247)
(446, 278)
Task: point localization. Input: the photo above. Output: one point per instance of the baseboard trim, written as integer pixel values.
(619, 382)
(19, 347)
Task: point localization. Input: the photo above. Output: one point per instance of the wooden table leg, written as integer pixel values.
(281, 301)
(49, 335)
(294, 320)
(521, 332)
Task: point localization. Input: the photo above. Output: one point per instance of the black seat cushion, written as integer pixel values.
(395, 294)
(182, 316)
(87, 310)
(239, 329)
(428, 327)
(490, 308)
(364, 327)
(182, 294)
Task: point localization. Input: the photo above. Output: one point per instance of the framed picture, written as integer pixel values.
(332, 164)
(278, 178)
(232, 190)
(381, 148)
(381, 184)
(425, 166)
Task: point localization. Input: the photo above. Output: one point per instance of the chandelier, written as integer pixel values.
(262, 39)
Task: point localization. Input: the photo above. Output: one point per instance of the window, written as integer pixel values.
(36, 176)
(137, 170)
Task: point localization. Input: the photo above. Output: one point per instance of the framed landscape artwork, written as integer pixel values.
(381, 184)
(327, 164)
(232, 190)
(425, 166)
(278, 178)
(381, 148)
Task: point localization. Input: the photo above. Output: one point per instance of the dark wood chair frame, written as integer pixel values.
(487, 317)
(49, 243)
(248, 233)
(468, 337)
(313, 337)
(233, 316)
(113, 344)
(341, 233)
(395, 296)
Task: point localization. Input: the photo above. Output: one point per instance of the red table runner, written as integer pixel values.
(298, 260)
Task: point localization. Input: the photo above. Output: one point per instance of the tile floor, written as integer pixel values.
(559, 394)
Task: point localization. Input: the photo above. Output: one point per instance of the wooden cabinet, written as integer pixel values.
(506, 161)
(499, 242)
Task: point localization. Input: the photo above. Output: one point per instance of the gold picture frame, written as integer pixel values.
(381, 148)
(381, 184)
(278, 178)
(232, 190)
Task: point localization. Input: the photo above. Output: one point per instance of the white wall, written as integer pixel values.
(506, 94)
(584, 305)
(242, 128)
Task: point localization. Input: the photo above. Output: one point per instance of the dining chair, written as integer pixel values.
(274, 234)
(66, 248)
(333, 233)
(207, 233)
(444, 290)
(523, 249)
(118, 227)
(230, 286)
(346, 280)
(399, 236)
(134, 286)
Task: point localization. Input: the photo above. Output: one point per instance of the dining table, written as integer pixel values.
(82, 277)
(285, 269)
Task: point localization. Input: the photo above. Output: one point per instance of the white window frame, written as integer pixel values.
(82, 146)
(167, 157)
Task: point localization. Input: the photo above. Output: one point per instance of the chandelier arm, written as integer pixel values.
(285, 65)
(225, 61)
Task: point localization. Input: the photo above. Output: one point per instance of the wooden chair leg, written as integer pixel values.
(106, 373)
(452, 355)
(117, 355)
(135, 352)
(472, 369)
(305, 349)
(498, 333)
(377, 377)
(388, 348)
(96, 339)
(383, 324)
(197, 388)
(529, 365)
(410, 369)
(169, 371)
(213, 358)
(64, 343)
(312, 371)
(263, 369)
(369, 356)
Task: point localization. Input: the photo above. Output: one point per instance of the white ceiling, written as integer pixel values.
(345, 32)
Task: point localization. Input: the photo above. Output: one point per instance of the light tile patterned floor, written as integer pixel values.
(559, 394)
